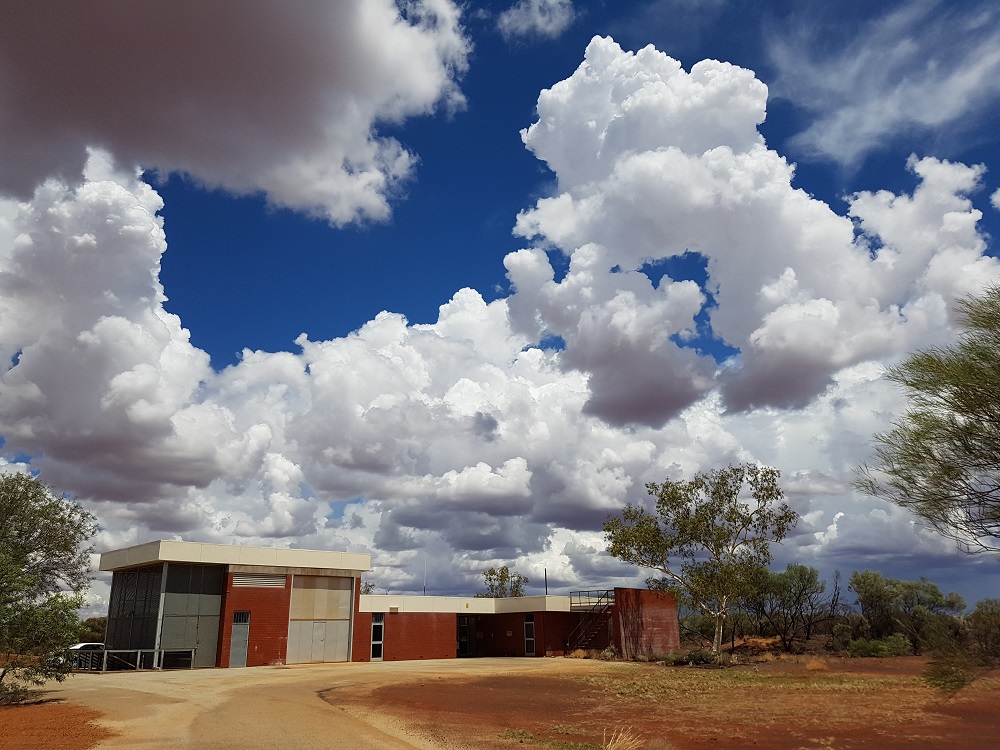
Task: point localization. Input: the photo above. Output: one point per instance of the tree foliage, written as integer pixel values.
(707, 536)
(915, 609)
(792, 603)
(92, 630)
(962, 655)
(44, 567)
(942, 459)
(501, 583)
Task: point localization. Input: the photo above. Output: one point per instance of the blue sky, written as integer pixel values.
(474, 175)
(153, 325)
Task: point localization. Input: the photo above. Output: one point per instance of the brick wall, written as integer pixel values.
(645, 622)
(268, 621)
(502, 635)
(417, 635)
(552, 629)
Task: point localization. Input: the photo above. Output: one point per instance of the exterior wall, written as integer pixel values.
(552, 629)
(191, 608)
(645, 622)
(269, 609)
(361, 633)
(418, 635)
(502, 635)
(426, 635)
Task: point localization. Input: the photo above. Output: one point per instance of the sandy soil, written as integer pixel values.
(870, 703)
(561, 704)
(52, 726)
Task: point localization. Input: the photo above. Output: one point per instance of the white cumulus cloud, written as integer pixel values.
(469, 441)
(252, 97)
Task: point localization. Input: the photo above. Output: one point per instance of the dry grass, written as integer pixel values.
(817, 665)
(622, 739)
(764, 698)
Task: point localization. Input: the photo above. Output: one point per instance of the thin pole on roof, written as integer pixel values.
(546, 581)
(425, 572)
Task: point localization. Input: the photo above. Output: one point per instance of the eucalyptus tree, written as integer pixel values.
(708, 536)
(502, 583)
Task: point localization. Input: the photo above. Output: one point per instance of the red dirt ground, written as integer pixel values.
(859, 703)
(847, 704)
(51, 725)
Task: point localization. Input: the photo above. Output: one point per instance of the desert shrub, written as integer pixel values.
(697, 658)
(817, 665)
(895, 645)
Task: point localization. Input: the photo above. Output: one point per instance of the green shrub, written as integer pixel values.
(895, 645)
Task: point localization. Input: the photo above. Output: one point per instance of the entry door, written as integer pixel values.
(241, 639)
(466, 635)
(378, 634)
(529, 634)
(318, 641)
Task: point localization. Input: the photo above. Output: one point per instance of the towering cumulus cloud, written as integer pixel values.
(654, 162)
(283, 98)
(472, 439)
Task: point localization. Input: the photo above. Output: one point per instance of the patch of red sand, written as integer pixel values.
(505, 711)
(50, 725)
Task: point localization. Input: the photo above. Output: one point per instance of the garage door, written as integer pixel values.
(319, 626)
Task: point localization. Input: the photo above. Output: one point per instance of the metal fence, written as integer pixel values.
(115, 660)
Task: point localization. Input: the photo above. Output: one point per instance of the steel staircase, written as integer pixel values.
(598, 607)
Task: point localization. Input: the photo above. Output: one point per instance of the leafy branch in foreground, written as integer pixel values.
(942, 458)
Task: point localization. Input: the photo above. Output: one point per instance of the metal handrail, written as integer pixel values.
(596, 604)
(590, 599)
(113, 660)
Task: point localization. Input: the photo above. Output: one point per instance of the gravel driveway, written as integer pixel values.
(269, 707)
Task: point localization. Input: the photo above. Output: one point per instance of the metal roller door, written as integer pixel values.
(319, 627)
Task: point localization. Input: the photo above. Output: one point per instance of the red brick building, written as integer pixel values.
(187, 604)
(635, 621)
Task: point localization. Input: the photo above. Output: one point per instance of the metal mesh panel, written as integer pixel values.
(134, 608)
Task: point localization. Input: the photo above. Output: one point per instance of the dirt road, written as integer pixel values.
(272, 707)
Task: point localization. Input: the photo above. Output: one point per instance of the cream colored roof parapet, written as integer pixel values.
(461, 604)
(228, 554)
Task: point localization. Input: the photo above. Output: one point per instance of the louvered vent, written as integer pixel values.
(259, 580)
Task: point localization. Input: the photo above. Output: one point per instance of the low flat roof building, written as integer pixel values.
(188, 604)
(223, 605)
